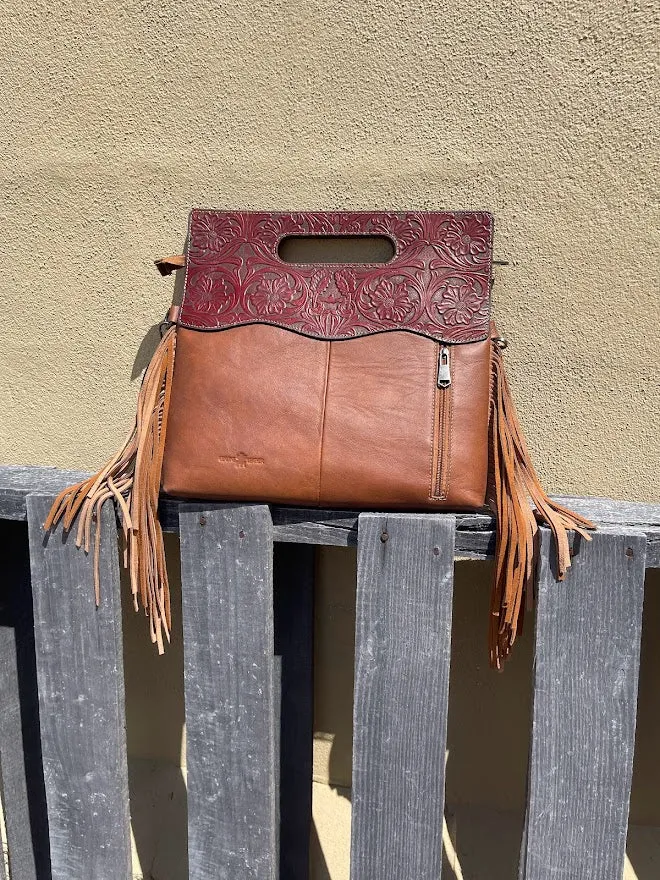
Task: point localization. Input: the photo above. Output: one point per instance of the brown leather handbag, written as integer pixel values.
(374, 385)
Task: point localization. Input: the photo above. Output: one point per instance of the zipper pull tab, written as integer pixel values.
(444, 373)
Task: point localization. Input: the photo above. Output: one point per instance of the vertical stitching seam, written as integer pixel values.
(323, 412)
(441, 458)
(435, 405)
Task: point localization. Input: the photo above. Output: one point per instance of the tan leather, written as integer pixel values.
(167, 265)
(514, 481)
(261, 413)
(132, 479)
(173, 314)
(247, 415)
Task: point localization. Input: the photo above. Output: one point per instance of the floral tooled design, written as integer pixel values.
(458, 301)
(331, 223)
(466, 237)
(347, 224)
(275, 227)
(437, 284)
(212, 293)
(404, 230)
(346, 281)
(271, 296)
(213, 231)
(328, 297)
(391, 300)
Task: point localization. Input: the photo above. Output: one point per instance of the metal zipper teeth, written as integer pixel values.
(444, 426)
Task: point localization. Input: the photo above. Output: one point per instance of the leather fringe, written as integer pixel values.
(515, 481)
(132, 478)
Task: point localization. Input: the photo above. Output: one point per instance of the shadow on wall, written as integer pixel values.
(643, 843)
(487, 763)
(488, 735)
(146, 351)
(155, 738)
(152, 337)
(319, 866)
(488, 728)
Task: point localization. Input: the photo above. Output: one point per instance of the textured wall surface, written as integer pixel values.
(118, 117)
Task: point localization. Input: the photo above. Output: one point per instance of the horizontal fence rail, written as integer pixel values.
(247, 622)
(475, 536)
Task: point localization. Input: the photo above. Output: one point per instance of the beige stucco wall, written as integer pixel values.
(118, 117)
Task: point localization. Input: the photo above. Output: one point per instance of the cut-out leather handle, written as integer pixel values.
(345, 249)
(436, 284)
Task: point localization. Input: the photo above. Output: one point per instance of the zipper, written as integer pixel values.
(444, 368)
(442, 433)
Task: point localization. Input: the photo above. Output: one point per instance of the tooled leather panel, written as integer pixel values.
(436, 285)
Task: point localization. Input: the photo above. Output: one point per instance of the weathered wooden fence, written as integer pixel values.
(248, 690)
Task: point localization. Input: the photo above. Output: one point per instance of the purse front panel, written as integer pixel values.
(259, 413)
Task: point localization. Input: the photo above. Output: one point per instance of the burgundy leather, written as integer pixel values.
(339, 412)
(385, 396)
(436, 285)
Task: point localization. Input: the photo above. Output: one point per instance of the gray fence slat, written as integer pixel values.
(12, 764)
(294, 626)
(81, 701)
(19, 481)
(475, 537)
(588, 631)
(276, 734)
(629, 514)
(227, 577)
(652, 548)
(23, 796)
(402, 652)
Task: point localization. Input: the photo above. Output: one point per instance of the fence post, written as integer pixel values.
(81, 700)
(403, 639)
(227, 589)
(588, 630)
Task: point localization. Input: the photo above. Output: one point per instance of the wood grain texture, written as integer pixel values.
(227, 576)
(607, 510)
(19, 481)
(652, 547)
(475, 536)
(81, 701)
(403, 638)
(294, 626)
(587, 640)
(276, 734)
(23, 796)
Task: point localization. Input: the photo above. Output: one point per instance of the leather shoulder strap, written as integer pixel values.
(167, 265)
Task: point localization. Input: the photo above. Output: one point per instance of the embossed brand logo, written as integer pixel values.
(240, 460)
